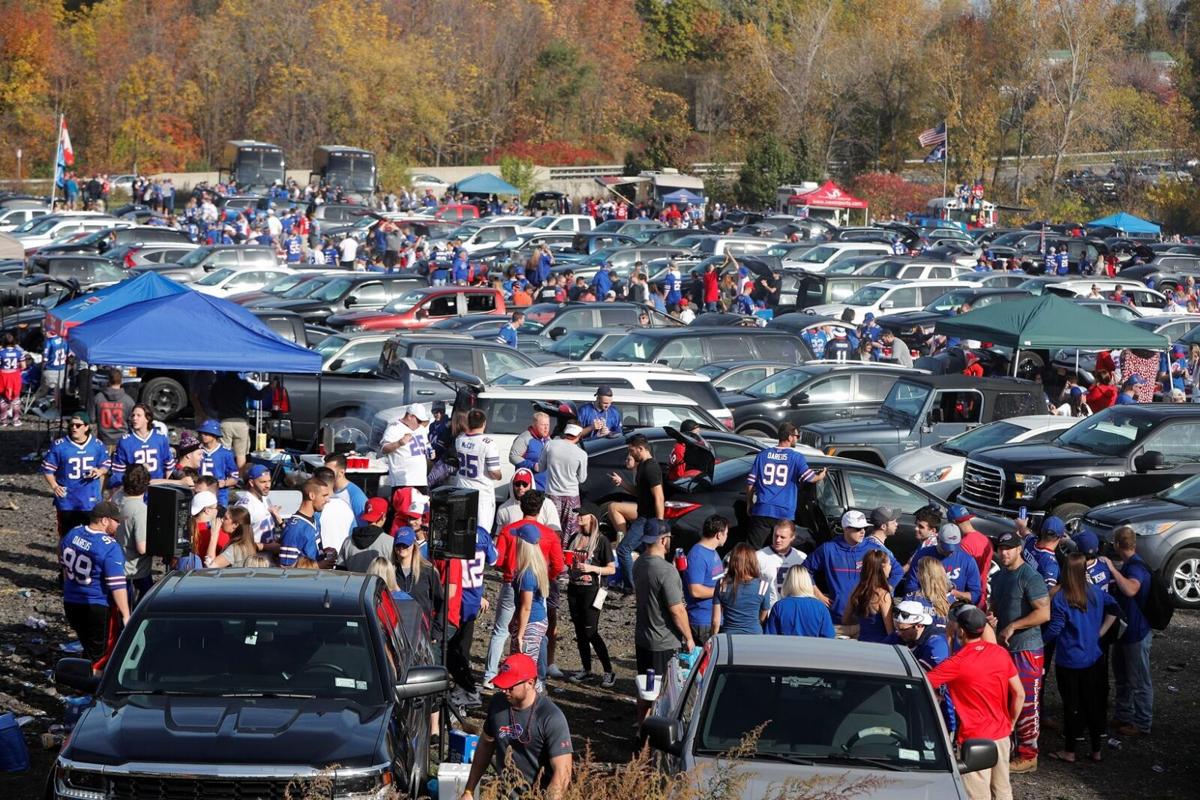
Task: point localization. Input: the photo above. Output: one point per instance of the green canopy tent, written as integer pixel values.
(1048, 322)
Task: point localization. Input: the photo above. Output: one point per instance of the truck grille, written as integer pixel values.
(810, 439)
(149, 787)
(983, 484)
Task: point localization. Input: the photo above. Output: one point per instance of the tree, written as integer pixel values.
(519, 173)
(768, 166)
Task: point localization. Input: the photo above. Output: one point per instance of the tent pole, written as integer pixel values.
(320, 411)
(1016, 360)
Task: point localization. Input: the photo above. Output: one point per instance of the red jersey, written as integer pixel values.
(506, 549)
(979, 547)
(1100, 396)
(977, 677)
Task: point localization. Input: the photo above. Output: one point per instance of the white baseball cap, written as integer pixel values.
(572, 429)
(854, 519)
(202, 500)
(912, 612)
(420, 411)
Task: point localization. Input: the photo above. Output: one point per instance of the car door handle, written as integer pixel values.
(424, 392)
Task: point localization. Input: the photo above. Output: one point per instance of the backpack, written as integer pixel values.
(1159, 608)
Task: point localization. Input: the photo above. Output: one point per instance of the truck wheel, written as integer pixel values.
(759, 431)
(166, 396)
(1071, 514)
(1183, 578)
(349, 429)
(1029, 365)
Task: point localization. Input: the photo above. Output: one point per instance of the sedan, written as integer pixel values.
(229, 280)
(734, 376)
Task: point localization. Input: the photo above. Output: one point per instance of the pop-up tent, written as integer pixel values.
(1125, 222)
(188, 331)
(828, 195)
(682, 196)
(146, 286)
(485, 183)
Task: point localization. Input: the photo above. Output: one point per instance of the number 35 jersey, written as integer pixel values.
(93, 565)
(69, 463)
(776, 475)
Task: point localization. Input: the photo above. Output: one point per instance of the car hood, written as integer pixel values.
(298, 304)
(1034, 458)
(314, 733)
(737, 399)
(921, 459)
(828, 310)
(876, 429)
(764, 779)
(1138, 509)
(356, 317)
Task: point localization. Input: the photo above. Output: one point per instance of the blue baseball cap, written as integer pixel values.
(1055, 526)
(656, 529)
(959, 513)
(1076, 391)
(869, 317)
(1134, 380)
(529, 533)
(257, 471)
(210, 426)
(406, 536)
(1087, 542)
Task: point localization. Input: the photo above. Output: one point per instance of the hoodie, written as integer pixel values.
(113, 407)
(524, 454)
(364, 544)
(835, 567)
(960, 566)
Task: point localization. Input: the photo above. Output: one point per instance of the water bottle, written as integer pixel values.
(680, 560)
(649, 681)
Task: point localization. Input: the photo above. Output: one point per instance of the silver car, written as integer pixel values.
(857, 715)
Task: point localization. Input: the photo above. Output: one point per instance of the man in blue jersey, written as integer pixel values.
(143, 445)
(772, 484)
(93, 568)
(216, 459)
(75, 468)
(294, 248)
(835, 565)
(960, 565)
(600, 418)
(54, 367)
(508, 333)
(301, 536)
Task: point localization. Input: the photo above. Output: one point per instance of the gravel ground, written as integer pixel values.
(1167, 764)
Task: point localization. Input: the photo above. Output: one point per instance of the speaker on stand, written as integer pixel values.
(167, 511)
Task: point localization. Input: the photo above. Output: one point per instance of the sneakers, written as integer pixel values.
(1023, 766)
(487, 684)
(609, 680)
(583, 676)
(553, 671)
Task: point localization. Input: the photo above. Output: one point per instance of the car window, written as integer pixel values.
(784, 349)
(683, 353)
(674, 416)
(500, 362)
(444, 306)
(1179, 443)
(701, 392)
(930, 293)
(736, 381)
(869, 490)
(724, 450)
(905, 297)
(370, 294)
(1123, 313)
(481, 303)
(964, 406)
(574, 319)
(835, 389)
(1049, 434)
(619, 383)
(509, 416)
(224, 257)
(940, 272)
(611, 317)
(726, 348)
(873, 388)
(459, 358)
(107, 272)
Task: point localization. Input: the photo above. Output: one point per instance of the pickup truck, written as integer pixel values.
(256, 683)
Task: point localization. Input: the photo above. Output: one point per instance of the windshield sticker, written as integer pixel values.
(351, 624)
(252, 639)
(908, 755)
(344, 683)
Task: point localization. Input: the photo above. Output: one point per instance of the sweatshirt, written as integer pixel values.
(364, 544)
(960, 569)
(113, 407)
(565, 465)
(835, 567)
(1078, 631)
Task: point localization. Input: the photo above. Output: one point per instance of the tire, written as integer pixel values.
(349, 429)
(1030, 364)
(752, 430)
(166, 396)
(1070, 514)
(1183, 578)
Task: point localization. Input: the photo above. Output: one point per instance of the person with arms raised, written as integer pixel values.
(772, 485)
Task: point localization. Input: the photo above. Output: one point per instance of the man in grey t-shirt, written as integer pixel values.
(565, 465)
(661, 618)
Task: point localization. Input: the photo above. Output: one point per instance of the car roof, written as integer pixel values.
(834, 655)
(668, 333)
(454, 289)
(278, 591)
(354, 336)
(423, 336)
(602, 443)
(616, 368)
(970, 382)
(620, 395)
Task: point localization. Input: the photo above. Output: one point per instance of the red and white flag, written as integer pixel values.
(68, 154)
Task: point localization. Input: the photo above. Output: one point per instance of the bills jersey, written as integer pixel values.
(301, 537)
(472, 573)
(12, 359)
(70, 462)
(93, 566)
(261, 518)
(409, 463)
(219, 463)
(775, 476)
(54, 353)
(477, 456)
(152, 452)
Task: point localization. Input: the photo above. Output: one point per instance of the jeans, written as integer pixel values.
(1135, 690)
(631, 541)
(506, 607)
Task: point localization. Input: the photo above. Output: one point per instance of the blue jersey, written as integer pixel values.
(817, 340)
(835, 567)
(1043, 561)
(293, 246)
(93, 566)
(960, 566)
(54, 353)
(1098, 574)
(69, 463)
(611, 416)
(672, 283)
(472, 573)
(219, 463)
(508, 336)
(775, 476)
(153, 453)
(301, 537)
(12, 359)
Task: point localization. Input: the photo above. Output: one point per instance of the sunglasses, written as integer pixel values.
(75, 424)
(401, 546)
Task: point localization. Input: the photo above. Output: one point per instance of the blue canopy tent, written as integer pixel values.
(1125, 222)
(146, 286)
(487, 184)
(682, 196)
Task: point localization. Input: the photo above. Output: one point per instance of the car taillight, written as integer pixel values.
(280, 400)
(674, 509)
(728, 422)
(129, 262)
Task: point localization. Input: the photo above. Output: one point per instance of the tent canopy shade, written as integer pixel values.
(1047, 322)
(189, 331)
(146, 286)
(828, 195)
(682, 196)
(1126, 222)
(486, 183)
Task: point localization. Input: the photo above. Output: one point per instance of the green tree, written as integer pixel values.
(768, 165)
(678, 30)
(520, 173)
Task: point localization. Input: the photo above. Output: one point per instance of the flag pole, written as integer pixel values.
(57, 145)
(946, 160)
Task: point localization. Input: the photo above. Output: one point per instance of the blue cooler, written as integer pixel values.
(462, 746)
(14, 756)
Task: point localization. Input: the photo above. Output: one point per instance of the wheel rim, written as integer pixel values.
(165, 403)
(1185, 582)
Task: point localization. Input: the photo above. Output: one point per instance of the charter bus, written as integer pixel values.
(253, 165)
(351, 168)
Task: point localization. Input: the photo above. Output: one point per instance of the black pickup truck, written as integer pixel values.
(255, 684)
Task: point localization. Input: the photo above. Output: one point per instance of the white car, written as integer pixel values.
(577, 223)
(821, 257)
(1148, 301)
(12, 218)
(938, 468)
(887, 297)
(231, 280)
(44, 230)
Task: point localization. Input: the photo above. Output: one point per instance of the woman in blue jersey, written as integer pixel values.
(742, 598)
(870, 605)
(799, 612)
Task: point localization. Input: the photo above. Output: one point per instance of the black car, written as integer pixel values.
(357, 291)
(915, 328)
(256, 683)
(101, 242)
(87, 271)
(685, 348)
(1120, 452)
(1166, 271)
(812, 393)
(583, 344)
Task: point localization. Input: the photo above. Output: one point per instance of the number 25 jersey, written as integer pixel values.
(775, 476)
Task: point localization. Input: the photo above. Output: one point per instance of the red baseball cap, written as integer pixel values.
(375, 511)
(515, 669)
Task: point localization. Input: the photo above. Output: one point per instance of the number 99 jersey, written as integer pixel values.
(775, 476)
(93, 565)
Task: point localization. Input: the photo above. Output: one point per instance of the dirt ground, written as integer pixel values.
(1164, 765)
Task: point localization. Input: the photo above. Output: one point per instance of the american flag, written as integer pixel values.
(933, 136)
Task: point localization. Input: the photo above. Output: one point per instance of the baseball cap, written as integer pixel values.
(949, 536)
(959, 513)
(1053, 525)
(587, 509)
(529, 533)
(1087, 542)
(839, 333)
(881, 516)
(515, 669)
(1076, 391)
(419, 411)
(656, 529)
(106, 509)
(1007, 540)
(375, 510)
(257, 471)
(82, 416)
(188, 443)
(202, 500)
(523, 475)
(405, 536)
(870, 317)
(971, 619)
(603, 390)
(1134, 380)
(209, 426)
(912, 612)
(572, 429)
(854, 519)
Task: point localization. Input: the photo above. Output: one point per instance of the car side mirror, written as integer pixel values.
(557, 332)
(335, 365)
(666, 735)
(976, 755)
(1149, 461)
(887, 304)
(349, 301)
(423, 681)
(77, 674)
(935, 416)
(798, 399)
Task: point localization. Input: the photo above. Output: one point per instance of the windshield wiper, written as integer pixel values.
(847, 758)
(784, 757)
(270, 695)
(162, 693)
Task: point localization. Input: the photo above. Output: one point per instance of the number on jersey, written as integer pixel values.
(775, 474)
(78, 466)
(76, 566)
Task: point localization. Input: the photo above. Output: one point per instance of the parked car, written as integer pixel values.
(822, 256)
(131, 256)
(197, 263)
(12, 218)
(225, 281)
(908, 269)
(19, 288)
(818, 289)
(579, 345)
(103, 241)
(421, 306)
(733, 376)
(232, 673)
(685, 348)
(289, 286)
(868, 716)
(355, 290)
(916, 327)
(887, 297)
(341, 348)
(549, 321)
(43, 230)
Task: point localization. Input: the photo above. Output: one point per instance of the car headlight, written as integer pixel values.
(370, 784)
(78, 784)
(1030, 485)
(1152, 528)
(931, 475)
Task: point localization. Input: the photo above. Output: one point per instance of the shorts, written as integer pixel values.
(553, 596)
(10, 385)
(54, 378)
(657, 660)
(235, 434)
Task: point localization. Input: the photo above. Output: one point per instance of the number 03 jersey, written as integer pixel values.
(775, 476)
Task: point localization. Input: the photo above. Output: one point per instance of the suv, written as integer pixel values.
(102, 241)
(256, 683)
(619, 375)
(552, 320)
(916, 327)
(921, 410)
(689, 348)
(354, 290)
(421, 306)
(43, 230)
(195, 264)
(815, 289)
(870, 718)
(911, 270)
(822, 256)
(1120, 452)
(887, 297)
(815, 392)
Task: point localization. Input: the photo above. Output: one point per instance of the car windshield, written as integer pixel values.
(866, 296)
(983, 436)
(194, 257)
(858, 719)
(405, 301)
(38, 226)
(281, 285)
(215, 277)
(1109, 433)
(818, 255)
(951, 300)
(573, 344)
(215, 655)
(907, 398)
(330, 345)
(543, 223)
(631, 348)
(1186, 492)
(305, 288)
(777, 385)
(332, 290)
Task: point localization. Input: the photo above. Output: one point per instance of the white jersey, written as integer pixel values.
(408, 465)
(261, 518)
(337, 520)
(477, 456)
(773, 568)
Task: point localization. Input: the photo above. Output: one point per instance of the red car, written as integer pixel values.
(422, 306)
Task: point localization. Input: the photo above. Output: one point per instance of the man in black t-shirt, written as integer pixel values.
(629, 519)
(527, 727)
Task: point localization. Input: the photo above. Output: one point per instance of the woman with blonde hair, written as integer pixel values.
(799, 612)
(933, 590)
(531, 586)
(415, 575)
(258, 562)
(385, 571)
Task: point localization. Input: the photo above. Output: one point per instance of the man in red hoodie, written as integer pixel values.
(974, 543)
(712, 288)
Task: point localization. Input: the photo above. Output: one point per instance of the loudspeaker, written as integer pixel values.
(452, 522)
(167, 511)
